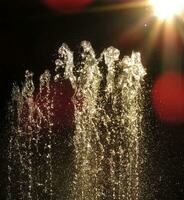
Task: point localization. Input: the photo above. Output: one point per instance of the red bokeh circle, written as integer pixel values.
(59, 100)
(168, 97)
(67, 5)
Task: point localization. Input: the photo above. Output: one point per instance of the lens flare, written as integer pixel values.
(167, 9)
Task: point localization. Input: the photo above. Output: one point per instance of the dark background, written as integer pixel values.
(30, 34)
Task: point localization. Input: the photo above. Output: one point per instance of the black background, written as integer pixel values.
(30, 35)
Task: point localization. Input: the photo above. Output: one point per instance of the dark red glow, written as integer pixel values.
(131, 39)
(67, 5)
(59, 95)
(168, 97)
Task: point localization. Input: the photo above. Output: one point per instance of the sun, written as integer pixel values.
(166, 9)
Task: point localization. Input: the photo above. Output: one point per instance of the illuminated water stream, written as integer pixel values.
(103, 112)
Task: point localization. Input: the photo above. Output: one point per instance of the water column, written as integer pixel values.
(88, 147)
(21, 129)
(44, 104)
(106, 123)
(30, 166)
(127, 107)
(14, 146)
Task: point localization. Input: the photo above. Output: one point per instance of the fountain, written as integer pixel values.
(78, 136)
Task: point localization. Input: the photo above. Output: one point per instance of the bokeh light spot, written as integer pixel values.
(60, 96)
(168, 97)
(67, 5)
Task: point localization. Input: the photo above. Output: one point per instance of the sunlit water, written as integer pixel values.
(107, 100)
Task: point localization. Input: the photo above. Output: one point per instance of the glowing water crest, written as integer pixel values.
(106, 127)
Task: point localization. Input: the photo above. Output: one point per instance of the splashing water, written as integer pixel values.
(106, 121)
